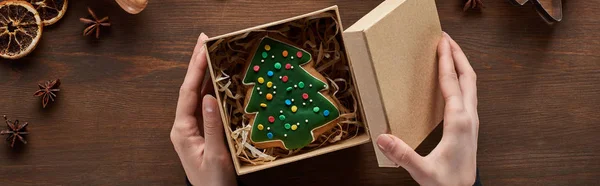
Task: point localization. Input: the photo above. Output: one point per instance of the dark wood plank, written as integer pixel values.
(538, 92)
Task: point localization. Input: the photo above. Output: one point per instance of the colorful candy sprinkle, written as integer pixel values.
(326, 113)
(277, 65)
(271, 119)
(267, 47)
(284, 53)
(284, 79)
(270, 135)
(289, 89)
(270, 73)
(294, 127)
(288, 66)
(265, 55)
(316, 109)
(269, 96)
(281, 117)
(263, 105)
(288, 102)
(287, 126)
(256, 68)
(299, 54)
(304, 96)
(261, 80)
(301, 84)
(260, 127)
(294, 108)
(269, 84)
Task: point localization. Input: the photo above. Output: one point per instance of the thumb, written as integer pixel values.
(213, 126)
(400, 153)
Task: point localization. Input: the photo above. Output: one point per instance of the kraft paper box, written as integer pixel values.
(392, 60)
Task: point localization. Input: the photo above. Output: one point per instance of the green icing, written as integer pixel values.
(282, 129)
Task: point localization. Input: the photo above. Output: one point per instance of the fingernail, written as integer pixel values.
(448, 36)
(203, 36)
(384, 141)
(209, 104)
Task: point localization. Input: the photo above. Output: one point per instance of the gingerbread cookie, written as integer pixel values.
(288, 103)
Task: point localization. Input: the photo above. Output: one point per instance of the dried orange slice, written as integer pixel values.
(20, 29)
(50, 10)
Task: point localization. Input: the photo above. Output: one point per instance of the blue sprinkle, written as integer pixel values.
(270, 135)
(288, 102)
(326, 113)
(270, 73)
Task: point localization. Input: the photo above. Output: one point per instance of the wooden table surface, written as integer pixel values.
(538, 92)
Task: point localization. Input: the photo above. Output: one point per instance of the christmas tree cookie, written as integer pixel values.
(288, 103)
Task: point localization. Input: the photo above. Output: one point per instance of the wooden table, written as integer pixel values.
(538, 93)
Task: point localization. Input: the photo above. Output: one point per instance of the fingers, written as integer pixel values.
(207, 88)
(188, 94)
(400, 153)
(449, 79)
(466, 76)
(213, 127)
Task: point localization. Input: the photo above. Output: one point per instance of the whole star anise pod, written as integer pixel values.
(94, 25)
(15, 131)
(47, 90)
(473, 4)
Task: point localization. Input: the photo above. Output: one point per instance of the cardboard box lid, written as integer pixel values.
(392, 51)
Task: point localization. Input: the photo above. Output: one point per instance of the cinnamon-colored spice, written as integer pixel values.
(15, 131)
(473, 4)
(94, 25)
(47, 91)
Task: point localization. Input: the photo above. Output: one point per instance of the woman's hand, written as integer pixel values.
(205, 160)
(453, 161)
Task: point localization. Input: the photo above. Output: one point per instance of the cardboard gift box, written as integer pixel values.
(391, 55)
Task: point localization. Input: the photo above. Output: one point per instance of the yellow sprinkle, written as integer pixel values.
(261, 80)
(260, 127)
(294, 108)
(294, 127)
(269, 96)
(263, 105)
(269, 84)
(267, 47)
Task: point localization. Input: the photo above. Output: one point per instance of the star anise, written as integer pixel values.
(47, 90)
(94, 25)
(15, 131)
(473, 4)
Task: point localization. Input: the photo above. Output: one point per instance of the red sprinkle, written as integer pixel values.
(299, 54)
(288, 66)
(256, 68)
(271, 119)
(304, 96)
(284, 79)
